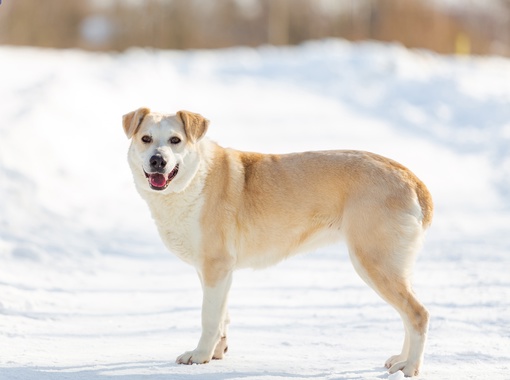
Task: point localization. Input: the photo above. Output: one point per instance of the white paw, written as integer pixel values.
(194, 357)
(394, 359)
(409, 369)
(221, 349)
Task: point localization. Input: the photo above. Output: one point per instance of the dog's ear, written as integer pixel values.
(195, 125)
(131, 121)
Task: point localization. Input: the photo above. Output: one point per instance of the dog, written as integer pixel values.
(220, 209)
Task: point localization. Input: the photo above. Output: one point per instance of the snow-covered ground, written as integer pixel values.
(88, 292)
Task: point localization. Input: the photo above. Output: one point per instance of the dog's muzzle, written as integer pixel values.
(159, 181)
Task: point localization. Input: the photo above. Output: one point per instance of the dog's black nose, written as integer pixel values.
(157, 162)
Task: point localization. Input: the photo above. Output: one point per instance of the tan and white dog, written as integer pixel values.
(221, 209)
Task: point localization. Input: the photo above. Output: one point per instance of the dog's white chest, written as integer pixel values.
(177, 218)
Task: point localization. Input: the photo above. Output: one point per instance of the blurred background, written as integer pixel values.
(444, 26)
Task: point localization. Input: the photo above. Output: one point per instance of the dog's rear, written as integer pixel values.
(384, 237)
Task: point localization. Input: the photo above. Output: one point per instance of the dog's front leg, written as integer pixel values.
(214, 309)
(222, 346)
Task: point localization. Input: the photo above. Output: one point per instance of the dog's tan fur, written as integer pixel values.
(227, 209)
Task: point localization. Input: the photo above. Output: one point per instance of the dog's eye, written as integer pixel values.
(147, 139)
(175, 140)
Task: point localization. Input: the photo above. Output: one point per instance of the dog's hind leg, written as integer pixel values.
(397, 292)
(383, 254)
(403, 354)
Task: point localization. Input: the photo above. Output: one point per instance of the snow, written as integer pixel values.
(399, 375)
(87, 291)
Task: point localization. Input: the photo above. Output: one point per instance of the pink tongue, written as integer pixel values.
(157, 180)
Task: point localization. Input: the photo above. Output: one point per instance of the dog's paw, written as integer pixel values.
(221, 349)
(409, 369)
(194, 357)
(394, 359)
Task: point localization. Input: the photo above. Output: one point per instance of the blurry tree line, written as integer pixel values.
(190, 24)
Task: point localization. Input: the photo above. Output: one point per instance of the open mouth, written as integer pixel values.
(158, 181)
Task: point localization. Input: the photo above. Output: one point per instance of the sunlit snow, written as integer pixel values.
(88, 292)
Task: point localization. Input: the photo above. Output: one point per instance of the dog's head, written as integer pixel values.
(164, 154)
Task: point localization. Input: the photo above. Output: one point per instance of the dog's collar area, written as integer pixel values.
(158, 181)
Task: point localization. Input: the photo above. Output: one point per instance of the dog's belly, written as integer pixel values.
(261, 253)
